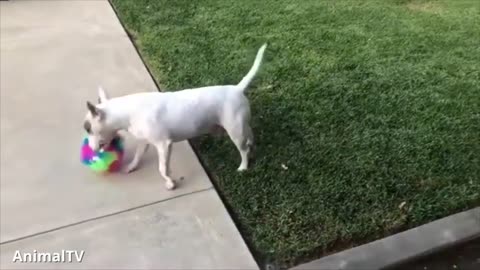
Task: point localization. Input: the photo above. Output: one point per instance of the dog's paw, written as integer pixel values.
(170, 185)
(129, 169)
(242, 169)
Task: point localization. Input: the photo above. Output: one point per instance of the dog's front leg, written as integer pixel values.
(164, 150)
(139, 152)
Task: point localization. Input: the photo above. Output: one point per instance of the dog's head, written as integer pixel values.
(100, 134)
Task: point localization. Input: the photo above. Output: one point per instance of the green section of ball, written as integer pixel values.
(103, 162)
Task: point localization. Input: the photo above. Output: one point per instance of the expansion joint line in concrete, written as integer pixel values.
(104, 216)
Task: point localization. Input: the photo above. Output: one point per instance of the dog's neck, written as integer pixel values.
(117, 119)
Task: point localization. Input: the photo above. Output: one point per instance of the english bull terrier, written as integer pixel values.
(162, 118)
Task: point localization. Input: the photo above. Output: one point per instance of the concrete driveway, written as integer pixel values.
(54, 54)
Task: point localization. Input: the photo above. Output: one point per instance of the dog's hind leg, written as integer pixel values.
(164, 150)
(242, 137)
(250, 140)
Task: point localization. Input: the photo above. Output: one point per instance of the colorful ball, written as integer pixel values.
(106, 160)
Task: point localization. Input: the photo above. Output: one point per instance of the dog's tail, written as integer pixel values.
(253, 70)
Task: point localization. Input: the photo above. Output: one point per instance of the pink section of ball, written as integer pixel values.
(87, 152)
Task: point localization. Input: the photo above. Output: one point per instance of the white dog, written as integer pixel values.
(161, 119)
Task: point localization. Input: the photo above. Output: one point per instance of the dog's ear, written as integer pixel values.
(102, 95)
(95, 111)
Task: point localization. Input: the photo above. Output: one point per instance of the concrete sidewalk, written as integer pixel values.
(54, 54)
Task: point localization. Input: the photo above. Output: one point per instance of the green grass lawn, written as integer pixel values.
(359, 107)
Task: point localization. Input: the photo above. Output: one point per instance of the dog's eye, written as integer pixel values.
(87, 126)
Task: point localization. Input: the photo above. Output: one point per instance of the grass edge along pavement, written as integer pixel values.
(364, 112)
